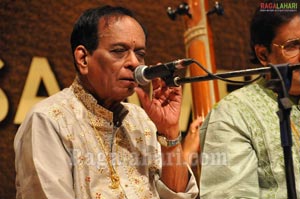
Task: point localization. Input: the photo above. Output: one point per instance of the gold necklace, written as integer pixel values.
(114, 177)
(296, 133)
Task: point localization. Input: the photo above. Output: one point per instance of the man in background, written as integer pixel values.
(244, 128)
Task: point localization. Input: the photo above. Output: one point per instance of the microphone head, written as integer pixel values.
(139, 76)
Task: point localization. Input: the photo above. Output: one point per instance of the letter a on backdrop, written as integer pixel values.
(39, 71)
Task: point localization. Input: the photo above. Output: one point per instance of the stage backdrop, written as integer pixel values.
(36, 60)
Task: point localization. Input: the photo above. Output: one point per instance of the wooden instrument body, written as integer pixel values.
(199, 46)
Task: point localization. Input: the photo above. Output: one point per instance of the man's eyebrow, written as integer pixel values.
(140, 48)
(119, 44)
(123, 44)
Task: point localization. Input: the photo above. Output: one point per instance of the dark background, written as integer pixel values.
(42, 28)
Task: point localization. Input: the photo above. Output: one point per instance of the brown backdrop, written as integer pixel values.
(42, 28)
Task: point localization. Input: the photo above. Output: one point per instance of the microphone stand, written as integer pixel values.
(283, 113)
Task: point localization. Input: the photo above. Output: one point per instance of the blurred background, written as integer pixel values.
(32, 29)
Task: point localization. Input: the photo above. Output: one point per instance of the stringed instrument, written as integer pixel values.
(198, 42)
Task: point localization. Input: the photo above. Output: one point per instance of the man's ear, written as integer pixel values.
(262, 54)
(81, 59)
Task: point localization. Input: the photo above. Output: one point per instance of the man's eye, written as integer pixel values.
(140, 53)
(292, 45)
(119, 50)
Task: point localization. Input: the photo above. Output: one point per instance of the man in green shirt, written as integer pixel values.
(242, 155)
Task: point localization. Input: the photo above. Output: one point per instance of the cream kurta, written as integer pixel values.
(242, 153)
(58, 154)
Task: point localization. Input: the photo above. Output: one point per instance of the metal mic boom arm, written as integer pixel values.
(246, 72)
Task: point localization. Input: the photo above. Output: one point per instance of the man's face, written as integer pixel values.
(122, 47)
(284, 33)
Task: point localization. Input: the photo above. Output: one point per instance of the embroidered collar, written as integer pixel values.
(91, 104)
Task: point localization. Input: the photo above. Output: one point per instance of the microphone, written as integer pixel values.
(144, 74)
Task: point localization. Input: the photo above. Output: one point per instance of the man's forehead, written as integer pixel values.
(114, 25)
(106, 21)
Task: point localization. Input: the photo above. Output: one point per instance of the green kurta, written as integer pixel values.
(242, 154)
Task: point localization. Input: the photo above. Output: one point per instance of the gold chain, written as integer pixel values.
(115, 179)
(296, 134)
